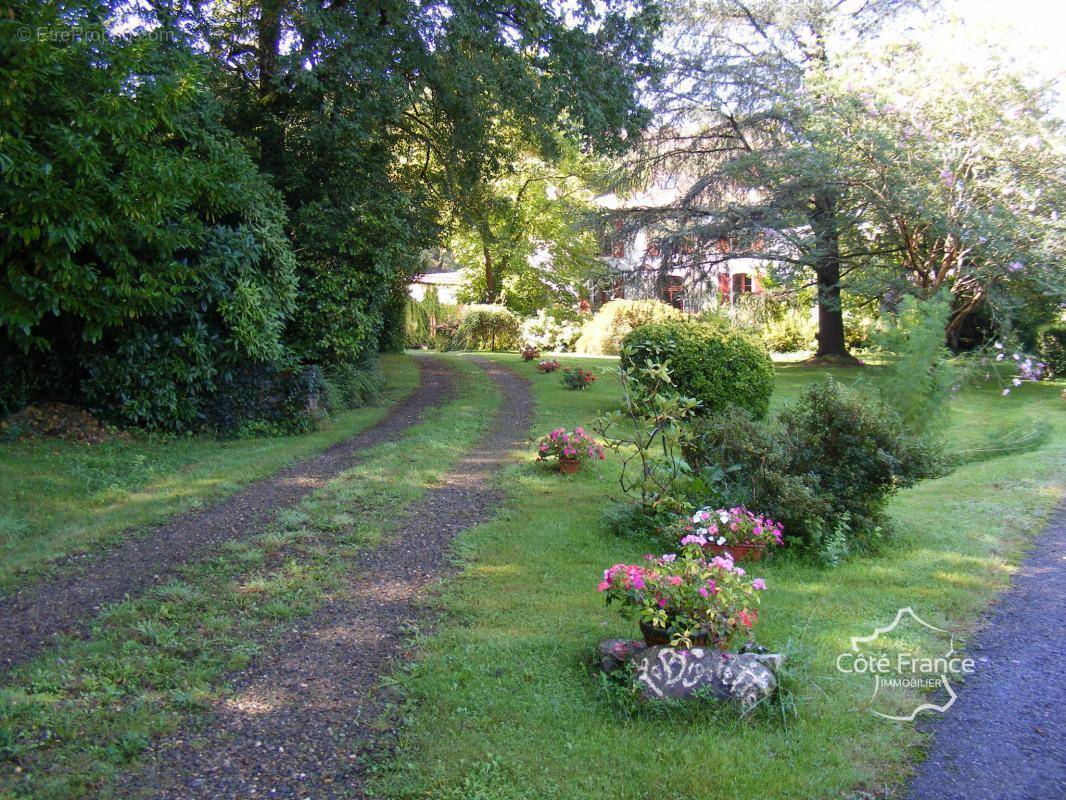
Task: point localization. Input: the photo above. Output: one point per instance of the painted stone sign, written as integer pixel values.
(674, 673)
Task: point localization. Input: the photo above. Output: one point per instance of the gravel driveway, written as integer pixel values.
(299, 722)
(1004, 738)
(64, 603)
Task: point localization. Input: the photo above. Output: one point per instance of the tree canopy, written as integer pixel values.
(801, 138)
(215, 184)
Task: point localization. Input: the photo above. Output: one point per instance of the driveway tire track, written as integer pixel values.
(298, 724)
(65, 603)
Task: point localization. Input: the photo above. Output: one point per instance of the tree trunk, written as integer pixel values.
(830, 315)
(490, 274)
(269, 45)
(831, 341)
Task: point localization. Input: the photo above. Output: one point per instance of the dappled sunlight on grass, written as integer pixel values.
(510, 675)
(68, 497)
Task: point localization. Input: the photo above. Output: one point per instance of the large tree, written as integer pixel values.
(382, 120)
(734, 115)
(846, 160)
(529, 239)
(956, 168)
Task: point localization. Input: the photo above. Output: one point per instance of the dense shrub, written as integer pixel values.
(603, 334)
(1051, 347)
(556, 328)
(393, 335)
(793, 331)
(20, 382)
(264, 399)
(487, 327)
(750, 461)
(147, 254)
(857, 451)
(715, 366)
(825, 468)
(353, 385)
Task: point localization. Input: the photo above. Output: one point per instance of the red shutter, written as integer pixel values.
(723, 285)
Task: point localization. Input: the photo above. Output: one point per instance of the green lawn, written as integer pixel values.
(58, 497)
(504, 704)
(71, 719)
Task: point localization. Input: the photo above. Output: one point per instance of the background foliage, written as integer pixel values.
(192, 192)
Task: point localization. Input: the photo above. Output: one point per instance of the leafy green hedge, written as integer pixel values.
(714, 365)
(1051, 346)
(144, 253)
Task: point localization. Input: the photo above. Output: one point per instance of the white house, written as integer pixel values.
(446, 283)
(634, 267)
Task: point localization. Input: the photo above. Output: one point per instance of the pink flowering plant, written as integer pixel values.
(548, 365)
(564, 445)
(686, 595)
(529, 353)
(730, 526)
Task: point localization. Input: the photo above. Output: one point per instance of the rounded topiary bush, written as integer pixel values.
(714, 365)
(603, 334)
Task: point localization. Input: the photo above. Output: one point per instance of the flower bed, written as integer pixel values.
(685, 597)
(569, 448)
(577, 378)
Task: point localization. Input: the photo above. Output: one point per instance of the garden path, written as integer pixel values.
(65, 602)
(301, 721)
(1004, 738)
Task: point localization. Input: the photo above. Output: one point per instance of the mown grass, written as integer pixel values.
(58, 497)
(505, 706)
(71, 720)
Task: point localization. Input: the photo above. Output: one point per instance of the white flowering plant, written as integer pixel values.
(729, 526)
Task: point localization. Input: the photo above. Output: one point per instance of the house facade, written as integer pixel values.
(634, 271)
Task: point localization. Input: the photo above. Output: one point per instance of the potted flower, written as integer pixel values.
(684, 599)
(569, 449)
(577, 378)
(548, 365)
(529, 352)
(736, 531)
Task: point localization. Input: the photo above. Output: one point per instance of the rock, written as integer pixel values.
(614, 653)
(672, 673)
(772, 661)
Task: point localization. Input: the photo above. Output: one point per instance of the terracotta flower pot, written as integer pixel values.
(569, 466)
(659, 636)
(740, 552)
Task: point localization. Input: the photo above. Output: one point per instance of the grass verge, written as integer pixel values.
(58, 497)
(70, 720)
(503, 705)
